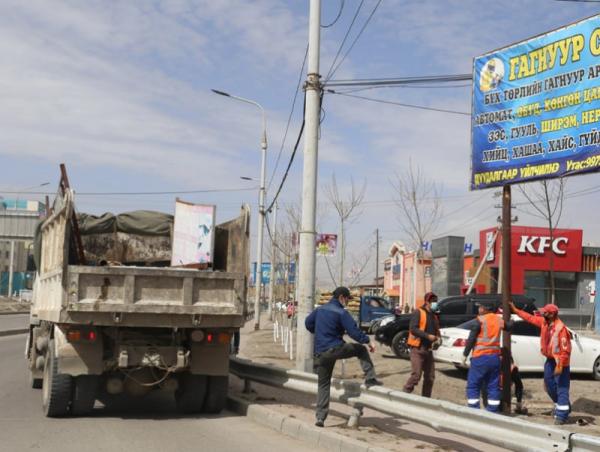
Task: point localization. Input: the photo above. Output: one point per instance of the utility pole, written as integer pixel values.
(506, 295)
(342, 252)
(377, 259)
(273, 261)
(307, 254)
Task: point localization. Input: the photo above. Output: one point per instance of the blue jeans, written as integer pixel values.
(484, 371)
(557, 387)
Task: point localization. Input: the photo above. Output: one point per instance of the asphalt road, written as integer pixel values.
(148, 424)
(13, 321)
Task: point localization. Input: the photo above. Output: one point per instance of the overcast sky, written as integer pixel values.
(120, 92)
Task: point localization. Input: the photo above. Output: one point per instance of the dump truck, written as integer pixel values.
(110, 315)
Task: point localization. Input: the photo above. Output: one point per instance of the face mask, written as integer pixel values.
(434, 306)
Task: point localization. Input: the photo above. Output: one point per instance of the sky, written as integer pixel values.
(120, 92)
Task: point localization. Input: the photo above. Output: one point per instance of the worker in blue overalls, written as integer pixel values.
(484, 341)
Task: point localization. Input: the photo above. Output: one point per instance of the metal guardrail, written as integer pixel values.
(503, 431)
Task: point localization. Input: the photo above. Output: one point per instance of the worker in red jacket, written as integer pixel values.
(555, 345)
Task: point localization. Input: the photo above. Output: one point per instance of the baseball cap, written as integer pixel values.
(429, 296)
(549, 308)
(342, 291)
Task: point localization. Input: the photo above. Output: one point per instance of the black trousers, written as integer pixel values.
(324, 364)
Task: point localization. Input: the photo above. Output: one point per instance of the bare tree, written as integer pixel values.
(346, 209)
(419, 209)
(419, 204)
(547, 199)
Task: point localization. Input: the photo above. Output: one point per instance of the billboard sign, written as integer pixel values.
(326, 244)
(536, 108)
(193, 234)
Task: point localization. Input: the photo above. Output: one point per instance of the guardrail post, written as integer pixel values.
(357, 411)
(247, 386)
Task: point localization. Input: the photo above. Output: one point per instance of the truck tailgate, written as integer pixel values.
(153, 290)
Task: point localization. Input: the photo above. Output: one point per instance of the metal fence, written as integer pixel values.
(503, 431)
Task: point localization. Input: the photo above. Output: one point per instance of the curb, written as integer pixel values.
(289, 426)
(14, 313)
(14, 332)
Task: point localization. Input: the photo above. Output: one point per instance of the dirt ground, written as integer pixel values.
(450, 383)
(13, 305)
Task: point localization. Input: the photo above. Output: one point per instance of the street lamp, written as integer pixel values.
(261, 203)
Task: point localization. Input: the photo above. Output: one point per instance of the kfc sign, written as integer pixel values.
(539, 245)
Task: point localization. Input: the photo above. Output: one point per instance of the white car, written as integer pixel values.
(525, 345)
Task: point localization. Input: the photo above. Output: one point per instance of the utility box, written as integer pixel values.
(447, 265)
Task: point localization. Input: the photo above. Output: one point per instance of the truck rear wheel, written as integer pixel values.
(190, 395)
(85, 389)
(56, 388)
(216, 397)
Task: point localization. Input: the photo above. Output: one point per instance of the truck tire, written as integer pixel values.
(85, 390)
(399, 345)
(56, 388)
(216, 397)
(191, 392)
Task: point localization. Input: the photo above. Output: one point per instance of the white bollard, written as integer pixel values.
(275, 328)
(343, 368)
(291, 345)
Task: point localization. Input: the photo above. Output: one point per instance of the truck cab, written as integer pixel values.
(373, 308)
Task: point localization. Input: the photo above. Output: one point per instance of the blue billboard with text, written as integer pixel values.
(536, 108)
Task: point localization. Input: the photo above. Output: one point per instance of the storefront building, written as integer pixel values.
(534, 252)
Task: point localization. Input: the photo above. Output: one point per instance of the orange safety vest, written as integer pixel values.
(413, 340)
(488, 339)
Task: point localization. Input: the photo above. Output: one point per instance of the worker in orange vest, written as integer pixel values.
(555, 345)
(484, 340)
(424, 334)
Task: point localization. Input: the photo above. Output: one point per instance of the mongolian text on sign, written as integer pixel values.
(536, 108)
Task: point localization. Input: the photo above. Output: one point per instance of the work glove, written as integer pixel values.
(558, 370)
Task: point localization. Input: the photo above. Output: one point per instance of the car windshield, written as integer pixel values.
(466, 325)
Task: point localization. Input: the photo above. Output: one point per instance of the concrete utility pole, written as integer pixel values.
(261, 203)
(273, 261)
(307, 255)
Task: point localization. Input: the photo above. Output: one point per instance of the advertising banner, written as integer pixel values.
(326, 244)
(536, 108)
(193, 234)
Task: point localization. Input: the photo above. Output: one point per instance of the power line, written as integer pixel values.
(355, 39)
(287, 127)
(400, 104)
(345, 37)
(337, 17)
(367, 88)
(153, 193)
(287, 170)
(446, 78)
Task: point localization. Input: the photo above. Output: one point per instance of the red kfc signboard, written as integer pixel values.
(532, 248)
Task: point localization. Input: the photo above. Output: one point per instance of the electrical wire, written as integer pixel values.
(153, 193)
(400, 104)
(337, 17)
(344, 40)
(355, 39)
(287, 127)
(287, 170)
(401, 80)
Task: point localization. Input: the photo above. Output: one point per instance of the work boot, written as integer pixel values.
(559, 421)
(320, 423)
(520, 409)
(373, 382)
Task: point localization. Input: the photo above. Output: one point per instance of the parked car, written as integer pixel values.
(371, 309)
(525, 347)
(452, 311)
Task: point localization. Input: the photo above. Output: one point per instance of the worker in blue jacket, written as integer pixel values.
(329, 323)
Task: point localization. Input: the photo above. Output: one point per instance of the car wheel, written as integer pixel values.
(596, 369)
(400, 346)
